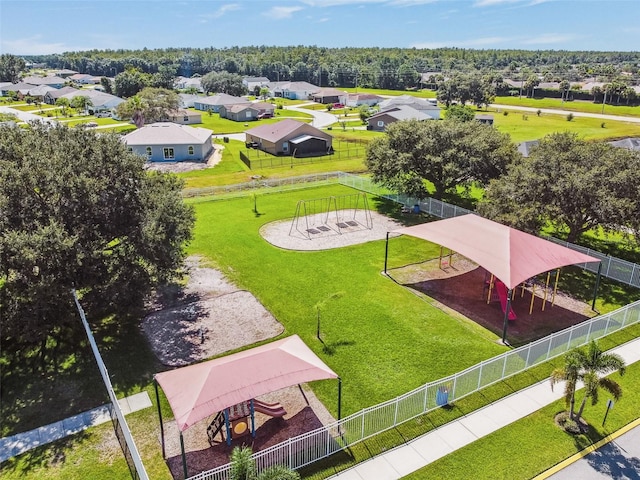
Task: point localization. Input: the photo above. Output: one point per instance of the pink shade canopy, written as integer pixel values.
(199, 390)
(511, 255)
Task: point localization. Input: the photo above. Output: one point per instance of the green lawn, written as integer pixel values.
(425, 93)
(534, 444)
(575, 106)
(523, 126)
(377, 327)
(220, 126)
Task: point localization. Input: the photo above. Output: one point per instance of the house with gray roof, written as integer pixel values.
(169, 142)
(330, 95)
(247, 112)
(184, 117)
(381, 120)
(420, 104)
(22, 88)
(213, 103)
(100, 101)
(51, 96)
(40, 91)
(252, 82)
(187, 99)
(52, 81)
(628, 143)
(357, 99)
(290, 137)
(525, 147)
(184, 83)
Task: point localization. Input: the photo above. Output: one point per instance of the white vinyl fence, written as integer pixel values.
(305, 449)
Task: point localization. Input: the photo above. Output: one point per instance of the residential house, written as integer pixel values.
(101, 102)
(423, 105)
(357, 99)
(484, 118)
(40, 91)
(292, 90)
(629, 143)
(64, 73)
(52, 81)
(214, 102)
(169, 142)
(525, 147)
(379, 121)
(84, 79)
(22, 88)
(187, 100)
(246, 112)
(252, 82)
(51, 96)
(290, 137)
(184, 83)
(330, 95)
(184, 117)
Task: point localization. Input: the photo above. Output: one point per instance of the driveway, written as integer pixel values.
(321, 119)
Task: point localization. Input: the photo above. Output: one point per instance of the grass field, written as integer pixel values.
(575, 106)
(523, 126)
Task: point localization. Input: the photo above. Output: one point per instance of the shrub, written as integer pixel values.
(505, 113)
(602, 125)
(539, 112)
(569, 117)
(525, 117)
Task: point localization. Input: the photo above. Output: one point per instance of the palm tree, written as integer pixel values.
(243, 467)
(569, 374)
(278, 473)
(597, 363)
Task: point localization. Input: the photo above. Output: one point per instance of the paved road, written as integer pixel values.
(619, 460)
(25, 116)
(619, 118)
(321, 118)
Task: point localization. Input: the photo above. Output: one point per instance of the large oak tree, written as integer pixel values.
(78, 210)
(447, 154)
(570, 183)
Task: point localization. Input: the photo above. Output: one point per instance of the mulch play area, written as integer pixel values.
(461, 287)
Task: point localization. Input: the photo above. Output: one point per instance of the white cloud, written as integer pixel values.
(547, 38)
(205, 17)
(278, 13)
(35, 46)
(323, 20)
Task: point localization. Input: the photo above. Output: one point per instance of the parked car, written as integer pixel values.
(265, 115)
(102, 114)
(338, 105)
(91, 124)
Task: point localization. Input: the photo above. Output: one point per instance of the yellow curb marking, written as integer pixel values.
(577, 456)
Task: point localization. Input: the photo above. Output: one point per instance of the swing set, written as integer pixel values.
(338, 214)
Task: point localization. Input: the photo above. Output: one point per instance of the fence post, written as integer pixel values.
(549, 349)
(480, 375)
(589, 331)
(504, 367)
(363, 413)
(426, 396)
(526, 362)
(395, 414)
(570, 337)
(290, 456)
(453, 389)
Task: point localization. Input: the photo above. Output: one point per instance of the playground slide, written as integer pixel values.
(501, 288)
(271, 409)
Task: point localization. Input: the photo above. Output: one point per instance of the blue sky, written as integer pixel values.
(54, 26)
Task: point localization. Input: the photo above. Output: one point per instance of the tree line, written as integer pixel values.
(390, 68)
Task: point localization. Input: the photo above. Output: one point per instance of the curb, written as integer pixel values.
(591, 448)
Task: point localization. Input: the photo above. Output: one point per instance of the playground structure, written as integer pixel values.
(234, 420)
(335, 214)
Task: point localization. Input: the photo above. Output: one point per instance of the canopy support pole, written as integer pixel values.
(253, 419)
(490, 289)
(595, 290)
(228, 427)
(546, 290)
(506, 317)
(339, 398)
(184, 457)
(555, 288)
(155, 384)
(533, 296)
(386, 253)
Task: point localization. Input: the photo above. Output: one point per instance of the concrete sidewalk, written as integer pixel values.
(428, 448)
(23, 442)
